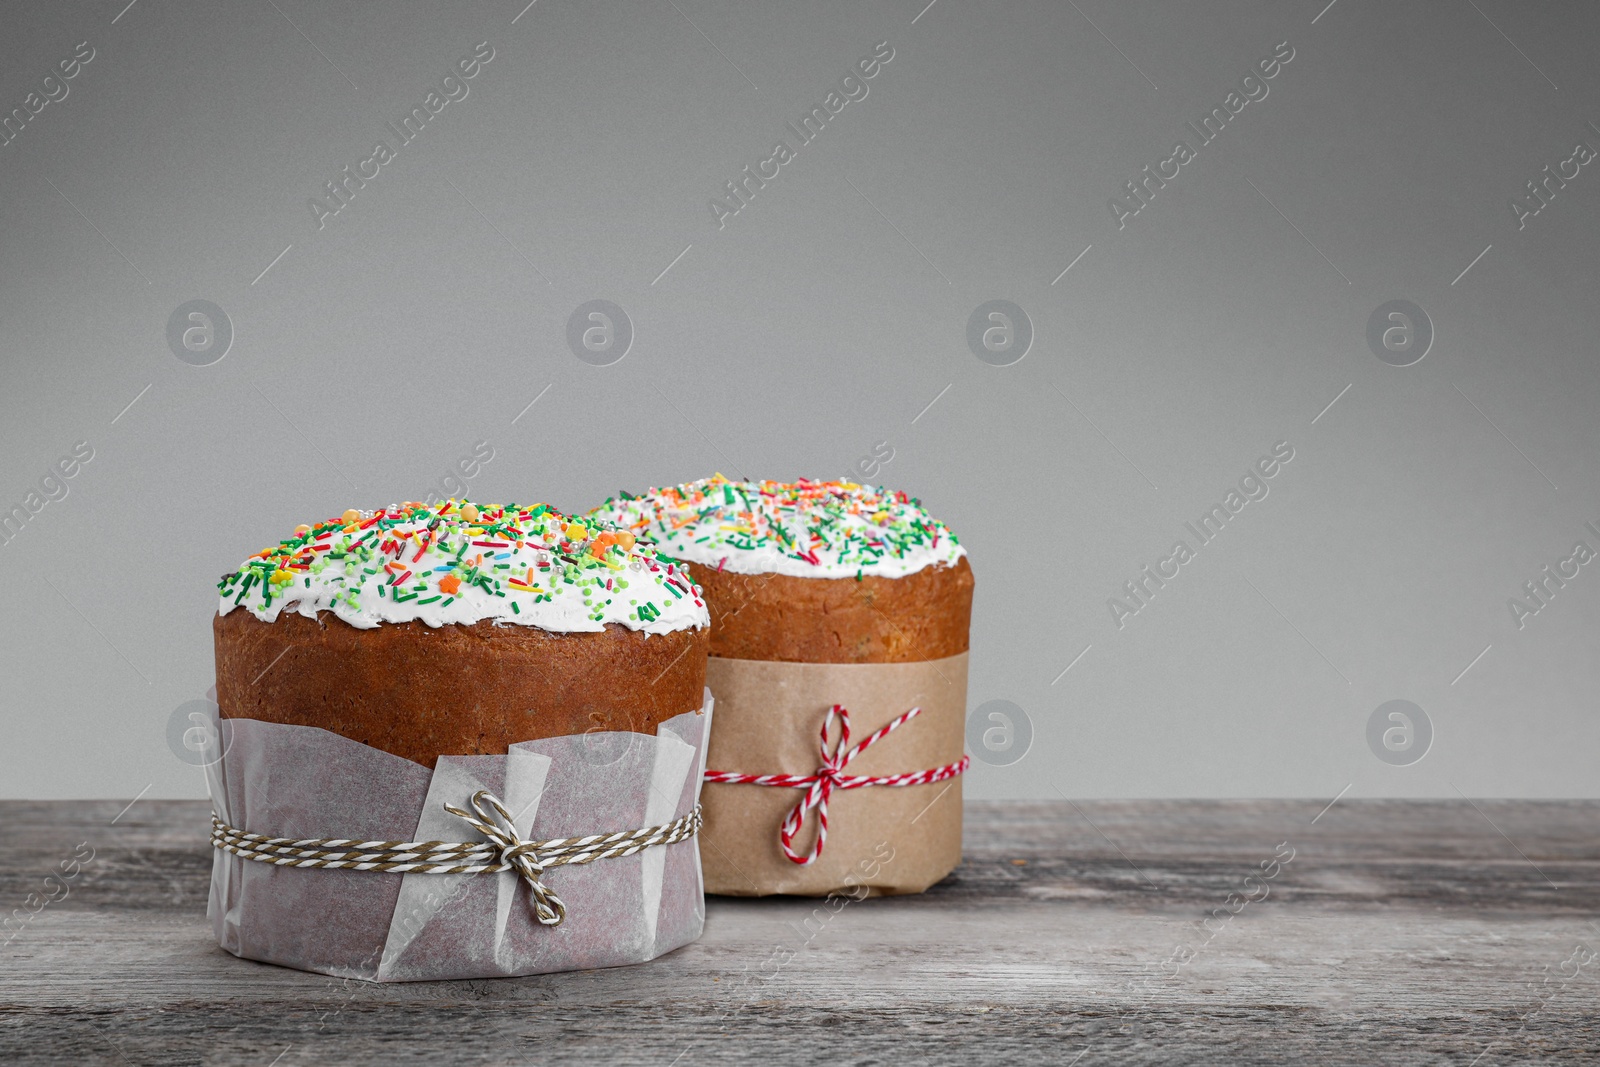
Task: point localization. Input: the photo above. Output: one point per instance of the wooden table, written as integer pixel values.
(1394, 932)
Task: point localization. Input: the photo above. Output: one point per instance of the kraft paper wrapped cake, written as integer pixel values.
(840, 617)
(458, 741)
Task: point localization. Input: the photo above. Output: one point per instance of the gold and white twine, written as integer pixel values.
(502, 850)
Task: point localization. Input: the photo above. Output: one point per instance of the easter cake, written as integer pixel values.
(812, 571)
(835, 607)
(460, 628)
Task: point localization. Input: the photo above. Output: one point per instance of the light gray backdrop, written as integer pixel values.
(828, 319)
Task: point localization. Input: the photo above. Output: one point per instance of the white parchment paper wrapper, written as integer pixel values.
(301, 782)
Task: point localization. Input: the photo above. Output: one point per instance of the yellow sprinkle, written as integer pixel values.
(575, 532)
(350, 515)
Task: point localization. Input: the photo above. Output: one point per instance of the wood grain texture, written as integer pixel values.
(1400, 932)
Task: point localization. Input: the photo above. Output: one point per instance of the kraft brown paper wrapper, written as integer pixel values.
(882, 840)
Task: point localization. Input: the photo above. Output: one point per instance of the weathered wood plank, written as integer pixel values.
(1399, 932)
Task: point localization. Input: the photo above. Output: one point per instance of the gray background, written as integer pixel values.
(823, 319)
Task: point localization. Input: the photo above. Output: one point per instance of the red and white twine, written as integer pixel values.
(830, 776)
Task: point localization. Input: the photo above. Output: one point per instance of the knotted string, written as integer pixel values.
(819, 786)
(494, 822)
(504, 850)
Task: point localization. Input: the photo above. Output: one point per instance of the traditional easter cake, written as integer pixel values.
(827, 599)
(812, 572)
(460, 629)
(403, 776)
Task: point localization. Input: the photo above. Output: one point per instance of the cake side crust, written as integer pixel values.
(421, 691)
(924, 615)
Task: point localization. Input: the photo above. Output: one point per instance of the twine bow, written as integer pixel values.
(505, 850)
(494, 822)
(820, 785)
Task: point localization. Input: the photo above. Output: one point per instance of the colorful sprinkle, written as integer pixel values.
(482, 561)
(806, 528)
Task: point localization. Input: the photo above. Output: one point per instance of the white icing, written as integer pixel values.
(804, 529)
(340, 567)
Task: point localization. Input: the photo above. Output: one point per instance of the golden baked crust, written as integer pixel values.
(924, 615)
(421, 692)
